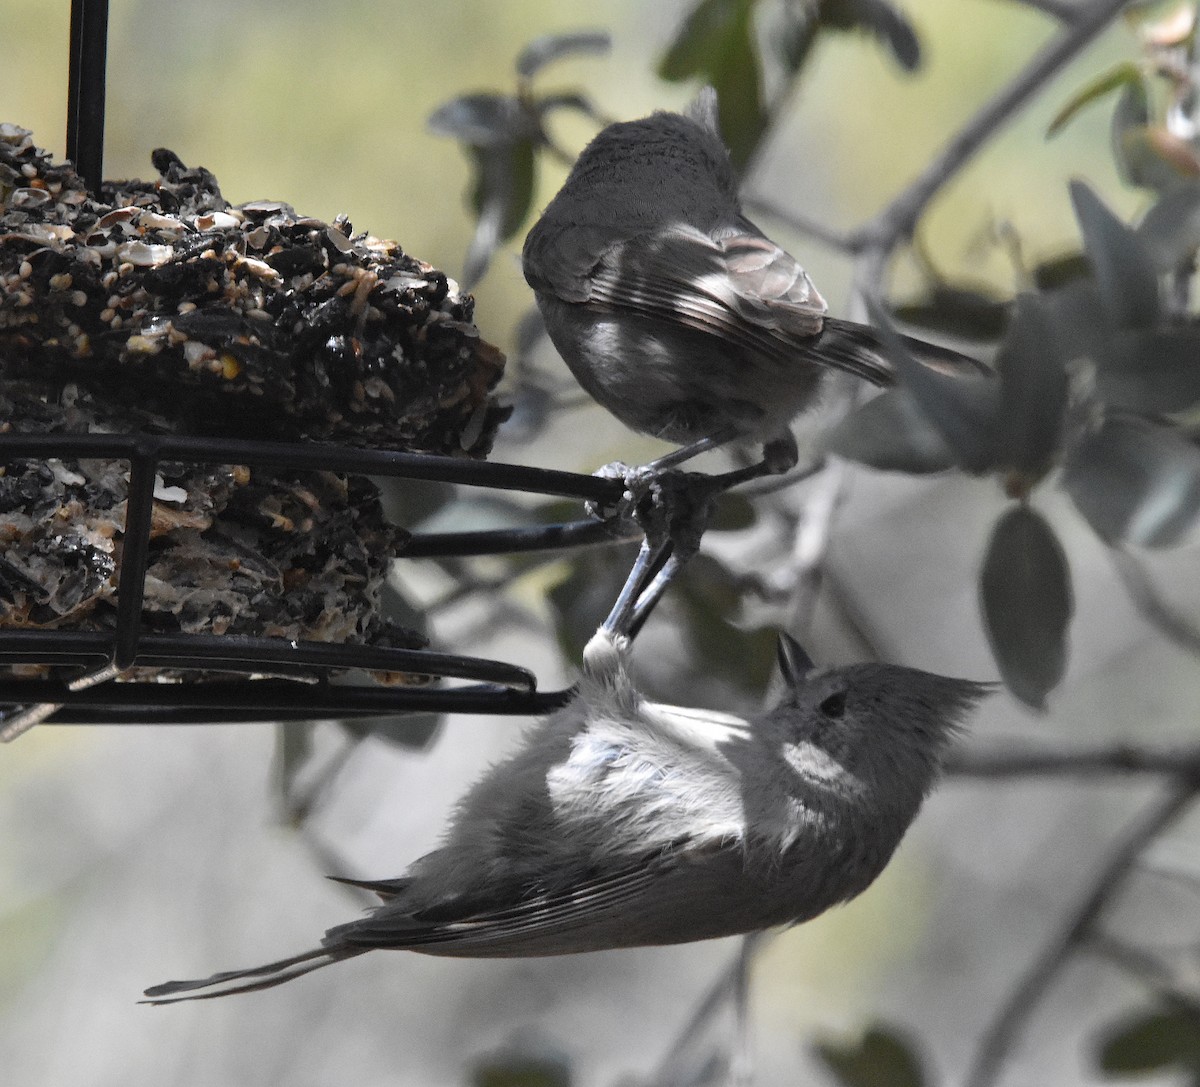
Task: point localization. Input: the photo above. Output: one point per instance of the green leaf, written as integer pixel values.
(501, 136)
(717, 44)
(1135, 482)
(1122, 75)
(1121, 264)
(702, 38)
(882, 1058)
(891, 433)
(551, 47)
(522, 1069)
(1025, 594)
(1152, 1041)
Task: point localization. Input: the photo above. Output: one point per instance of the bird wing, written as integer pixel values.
(636, 904)
(740, 287)
(734, 284)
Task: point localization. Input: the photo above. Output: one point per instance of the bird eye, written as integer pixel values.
(834, 705)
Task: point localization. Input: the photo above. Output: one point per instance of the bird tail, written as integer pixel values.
(268, 976)
(860, 350)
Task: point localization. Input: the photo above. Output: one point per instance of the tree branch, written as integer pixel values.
(899, 218)
(1152, 607)
(1124, 759)
(1062, 10)
(1016, 1012)
(844, 241)
(1146, 969)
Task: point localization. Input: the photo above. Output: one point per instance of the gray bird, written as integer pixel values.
(671, 308)
(622, 822)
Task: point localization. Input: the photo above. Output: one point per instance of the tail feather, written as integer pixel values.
(387, 889)
(860, 350)
(272, 974)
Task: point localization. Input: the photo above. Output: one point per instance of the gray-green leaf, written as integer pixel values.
(964, 410)
(891, 433)
(1170, 230)
(551, 47)
(1033, 390)
(1025, 594)
(1136, 482)
(1120, 261)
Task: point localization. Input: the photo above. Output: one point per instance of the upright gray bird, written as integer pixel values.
(622, 822)
(671, 308)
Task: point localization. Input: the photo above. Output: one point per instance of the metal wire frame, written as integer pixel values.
(303, 688)
(85, 89)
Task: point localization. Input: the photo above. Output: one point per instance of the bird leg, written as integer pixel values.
(779, 455)
(623, 617)
(673, 511)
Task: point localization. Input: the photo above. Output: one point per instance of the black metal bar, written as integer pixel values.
(135, 550)
(271, 700)
(508, 541)
(315, 456)
(238, 653)
(496, 687)
(85, 89)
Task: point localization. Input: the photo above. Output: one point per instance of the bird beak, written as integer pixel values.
(794, 663)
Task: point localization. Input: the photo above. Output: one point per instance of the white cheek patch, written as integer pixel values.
(815, 763)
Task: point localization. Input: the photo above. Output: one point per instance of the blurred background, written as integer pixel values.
(134, 855)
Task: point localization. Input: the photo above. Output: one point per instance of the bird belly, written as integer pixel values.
(673, 382)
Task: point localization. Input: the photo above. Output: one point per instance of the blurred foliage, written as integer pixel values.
(526, 1065)
(1097, 384)
(880, 1058)
(1112, 427)
(718, 43)
(1163, 1040)
(1093, 368)
(503, 135)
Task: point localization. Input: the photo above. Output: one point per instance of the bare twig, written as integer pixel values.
(814, 528)
(1145, 968)
(899, 218)
(1017, 1010)
(841, 240)
(1152, 607)
(1062, 10)
(1124, 759)
(729, 986)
